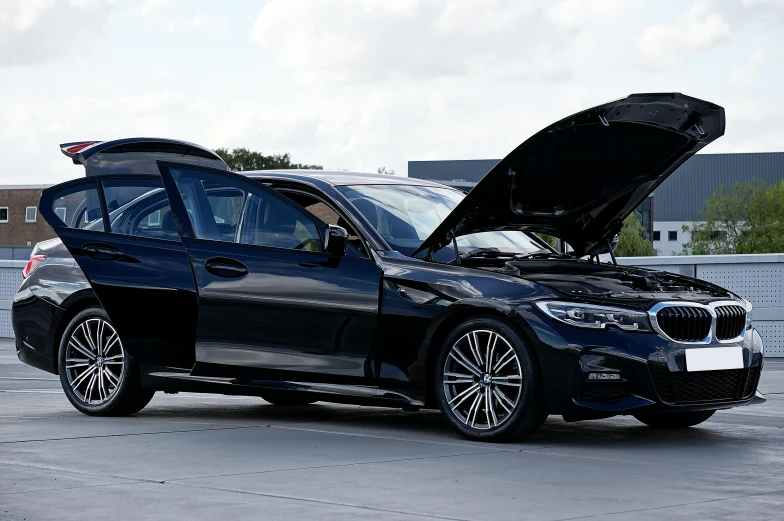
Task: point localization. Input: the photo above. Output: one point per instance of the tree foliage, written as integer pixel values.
(632, 241)
(749, 218)
(243, 159)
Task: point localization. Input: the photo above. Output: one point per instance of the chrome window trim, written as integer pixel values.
(710, 308)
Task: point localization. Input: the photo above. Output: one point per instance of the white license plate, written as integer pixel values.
(714, 358)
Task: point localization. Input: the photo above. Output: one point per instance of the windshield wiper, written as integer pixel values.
(540, 254)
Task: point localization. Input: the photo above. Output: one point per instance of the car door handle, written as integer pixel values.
(309, 265)
(101, 251)
(227, 268)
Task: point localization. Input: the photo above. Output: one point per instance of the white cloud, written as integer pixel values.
(152, 6)
(379, 40)
(699, 29)
(744, 75)
(34, 31)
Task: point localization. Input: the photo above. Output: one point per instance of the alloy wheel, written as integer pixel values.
(483, 379)
(94, 361)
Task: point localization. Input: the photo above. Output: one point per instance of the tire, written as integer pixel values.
(288, 398)
(477, 403)
(674, 420)
(99, 378)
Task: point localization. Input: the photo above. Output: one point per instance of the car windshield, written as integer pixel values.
(405, 215)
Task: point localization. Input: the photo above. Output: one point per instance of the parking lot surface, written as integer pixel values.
(193, 456)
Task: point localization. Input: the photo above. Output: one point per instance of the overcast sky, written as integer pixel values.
(358, 84)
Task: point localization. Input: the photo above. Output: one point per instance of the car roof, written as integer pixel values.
(340, 178)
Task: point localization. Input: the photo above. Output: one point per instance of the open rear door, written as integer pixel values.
(122, 233)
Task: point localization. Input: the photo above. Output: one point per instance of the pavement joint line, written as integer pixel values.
(56, 489)
(662, 507)
(339, 465)
(29, 378)
(183, 431)
(319, 501)
(33, 391)
(41, 466)
(220, 489)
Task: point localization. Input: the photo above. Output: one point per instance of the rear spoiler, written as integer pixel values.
(137, 155)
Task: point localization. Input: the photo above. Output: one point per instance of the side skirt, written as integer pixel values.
(175, 381)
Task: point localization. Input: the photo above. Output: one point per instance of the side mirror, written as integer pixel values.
(337, 239)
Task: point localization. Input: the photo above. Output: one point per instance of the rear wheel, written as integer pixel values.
(288, 398)
(674, 420)
(98, 376)
(488, 383)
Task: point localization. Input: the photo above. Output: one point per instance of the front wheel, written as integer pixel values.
(674, 420)
(487, 382)
(98, 376)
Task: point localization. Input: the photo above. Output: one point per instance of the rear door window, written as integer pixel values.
(79, 207)
(139, 207)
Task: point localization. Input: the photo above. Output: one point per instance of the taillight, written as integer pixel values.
(76, 148)
(32, 265)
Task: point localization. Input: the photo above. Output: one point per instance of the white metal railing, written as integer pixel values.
(757, 278)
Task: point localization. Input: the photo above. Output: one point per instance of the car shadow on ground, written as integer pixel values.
(426, 424)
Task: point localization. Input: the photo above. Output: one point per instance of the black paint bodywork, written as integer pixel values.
(354, 329)
(372, 340)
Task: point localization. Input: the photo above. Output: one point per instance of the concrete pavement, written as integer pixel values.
(209, 457)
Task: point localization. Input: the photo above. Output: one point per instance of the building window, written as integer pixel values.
(657, 235)
(3, 214)
(61, 212)
(672, 235)
(31, 213)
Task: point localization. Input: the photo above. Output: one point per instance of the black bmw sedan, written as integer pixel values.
(172, 273)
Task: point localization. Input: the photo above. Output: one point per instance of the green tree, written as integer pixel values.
(749, 218)
(631, 239)
(243, 159)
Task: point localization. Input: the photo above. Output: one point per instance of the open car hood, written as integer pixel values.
(580, 177)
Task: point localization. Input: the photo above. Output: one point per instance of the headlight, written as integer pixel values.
(595, 317)
(749, 310)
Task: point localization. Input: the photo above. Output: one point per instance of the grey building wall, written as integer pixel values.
(679, 198)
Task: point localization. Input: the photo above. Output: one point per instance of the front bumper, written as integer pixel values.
(652, 370)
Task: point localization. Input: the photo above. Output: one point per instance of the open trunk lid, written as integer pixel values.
(137, 155)
(579, 178)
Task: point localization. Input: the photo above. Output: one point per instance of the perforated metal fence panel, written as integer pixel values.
(10, 280)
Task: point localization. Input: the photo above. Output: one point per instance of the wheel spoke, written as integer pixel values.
(501, 400)
(88, 392)
(473, 344)
(102, 384)
(464, 395)
(87, 337)
(115, 357)
(473, 409)
(491, 405)
(508, 357)
(74, 366)
(79, 347)
(99, 337)
(82, 377)
(506, 380)
(465, 362)
(113, 379)
(491, 341)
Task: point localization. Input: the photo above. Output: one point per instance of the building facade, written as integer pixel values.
(20, 222)
(676, 203)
